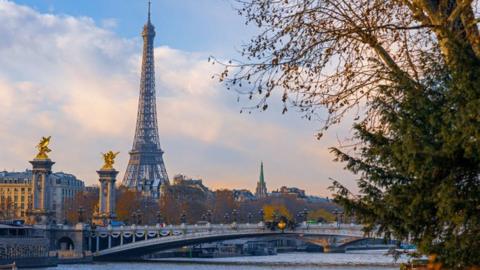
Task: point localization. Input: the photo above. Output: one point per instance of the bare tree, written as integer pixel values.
(334, 55)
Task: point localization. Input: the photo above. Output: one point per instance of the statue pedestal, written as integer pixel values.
(106, 204)
(41, 202)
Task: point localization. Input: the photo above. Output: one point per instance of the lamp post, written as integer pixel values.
(209, 216)
(298, 218)
(183, 218)
(249, 217)
(134, 217)
(159, 217)
(234, 215)
(260, 213)
(80, 214)
(139, 217)
(227, 218)
(305, 214)
(335, 212)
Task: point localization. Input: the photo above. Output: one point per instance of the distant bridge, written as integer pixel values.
(120, 243)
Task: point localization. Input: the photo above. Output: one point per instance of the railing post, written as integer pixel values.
(109, 240)
(121, 238)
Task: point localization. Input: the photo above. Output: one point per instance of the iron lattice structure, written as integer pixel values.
(146, 169)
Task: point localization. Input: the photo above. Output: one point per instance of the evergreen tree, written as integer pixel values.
(419, 176)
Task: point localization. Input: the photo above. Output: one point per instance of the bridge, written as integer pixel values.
(126, 242)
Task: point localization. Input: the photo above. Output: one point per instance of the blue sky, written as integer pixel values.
(191, 25)
(70, 69)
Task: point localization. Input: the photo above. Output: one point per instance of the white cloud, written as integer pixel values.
(70, 78)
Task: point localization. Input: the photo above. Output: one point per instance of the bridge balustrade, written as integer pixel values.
(103, 238)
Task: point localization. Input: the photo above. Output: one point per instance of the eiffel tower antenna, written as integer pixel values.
(146, 171)
(149, 7)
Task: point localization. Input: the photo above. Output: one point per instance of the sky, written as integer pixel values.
(71, 69)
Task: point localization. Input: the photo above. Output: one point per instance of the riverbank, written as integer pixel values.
(361, 260)
(274, 264)
(294, 261)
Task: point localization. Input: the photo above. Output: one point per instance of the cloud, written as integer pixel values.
(77, 81)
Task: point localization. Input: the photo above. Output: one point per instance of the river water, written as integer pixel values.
(297, 261)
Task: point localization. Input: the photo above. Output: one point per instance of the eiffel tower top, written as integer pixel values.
(149, 6)
(148, 28)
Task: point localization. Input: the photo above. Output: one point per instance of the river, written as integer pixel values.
(297, 261)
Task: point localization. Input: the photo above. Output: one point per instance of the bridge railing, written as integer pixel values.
(131, 235)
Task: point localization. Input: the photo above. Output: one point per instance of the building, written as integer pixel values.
(261, 190)
(183, 180)
(16, 192)
(92, 189)
(243, 195)
(146, 171)
(290, 191)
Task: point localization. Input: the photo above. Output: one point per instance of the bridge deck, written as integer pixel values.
(135, 240)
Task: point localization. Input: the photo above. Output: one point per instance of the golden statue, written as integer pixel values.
(109, 159)
(43, 148)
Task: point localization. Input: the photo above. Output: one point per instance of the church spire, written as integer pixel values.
(262, 179)
(261, 190)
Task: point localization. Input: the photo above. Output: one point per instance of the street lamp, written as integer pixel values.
(341, 217)
(183, 218)
(249, 217)
(133, 218)
(335, 212)
(234, 215)
(80, 215)
(260, 213)
(227, 218)
(159, 217)
(209, 216)
(139, 217)
(275, 216)
(305, 214)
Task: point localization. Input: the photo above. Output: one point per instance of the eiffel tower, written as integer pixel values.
(146, 170)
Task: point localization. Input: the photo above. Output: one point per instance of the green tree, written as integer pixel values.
(419, 180)
(413, 70)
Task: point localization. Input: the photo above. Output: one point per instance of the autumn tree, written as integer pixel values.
(183, 199)
(132, 207)
(271, 212)
(224, 203)
(321, 215)
(84, 200)
(409, 71)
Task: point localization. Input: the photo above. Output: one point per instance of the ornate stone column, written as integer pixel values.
(106, 201)
(41, 212)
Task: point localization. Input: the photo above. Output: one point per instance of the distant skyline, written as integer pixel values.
(71, 69)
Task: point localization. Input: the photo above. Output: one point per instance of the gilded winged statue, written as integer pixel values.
(43, 148)
(109, 159)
